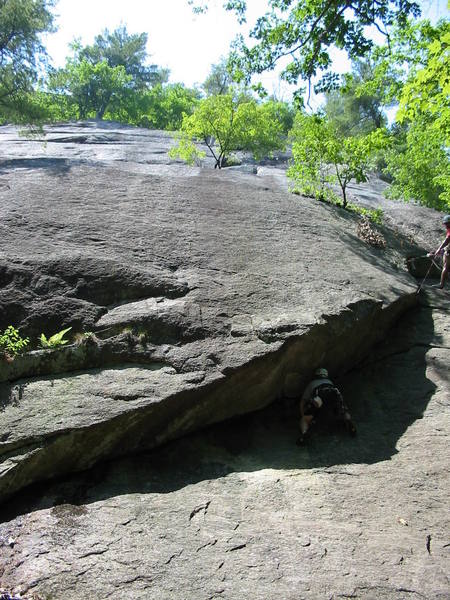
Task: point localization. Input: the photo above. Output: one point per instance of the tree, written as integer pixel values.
(91, 87)
(427, 90)
(323, 157)
(164, 106)
(282, 112)
(21, 56)
(353, 111)
(393, 64)
(419, 165)
(219, 79)
(225, 125)
(109, 75)
(421, 168)
(120, 48)
(303, 31)
(411, 73)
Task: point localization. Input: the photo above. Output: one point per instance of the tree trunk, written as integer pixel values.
(100, 113)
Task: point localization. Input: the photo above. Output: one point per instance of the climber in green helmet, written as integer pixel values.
(445, 249)
(322, 396)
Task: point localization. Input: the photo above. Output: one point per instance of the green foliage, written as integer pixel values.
(322, 157)
(55, 340)
(219, 80)
(22, 56)
(224, 124)
(163, 107)
(282, 112)
(85, 338)
(415, 72)
(419, 165)
(309, 169)
(374, 215)
(305, 31)
(90, 87)
(395, 63)
(11, 343)
(427, 91)
(122, 49)
(412, 71)
(349, 109)
(109, 78)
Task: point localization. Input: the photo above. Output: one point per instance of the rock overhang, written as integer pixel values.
(212, 294)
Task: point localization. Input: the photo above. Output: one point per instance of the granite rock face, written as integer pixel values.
(200, 296)
(239, 511)
(210, 293)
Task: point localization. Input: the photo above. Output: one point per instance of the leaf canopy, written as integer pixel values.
(21, 56)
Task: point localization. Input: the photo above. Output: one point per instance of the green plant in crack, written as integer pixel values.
(55, 340)
(85, 337)
(12, 343)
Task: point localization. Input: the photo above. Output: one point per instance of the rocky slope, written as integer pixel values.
(240, 512)
(210, 295)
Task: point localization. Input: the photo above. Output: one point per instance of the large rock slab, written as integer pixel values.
(210, 294)
(239, 511)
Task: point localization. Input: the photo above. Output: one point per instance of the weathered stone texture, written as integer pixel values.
(211, 295)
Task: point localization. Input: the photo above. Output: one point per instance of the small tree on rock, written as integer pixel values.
(224, 125)
(322, 157)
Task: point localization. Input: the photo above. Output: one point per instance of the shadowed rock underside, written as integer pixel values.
(210, 295)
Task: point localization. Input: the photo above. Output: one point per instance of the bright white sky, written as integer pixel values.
(187, 44)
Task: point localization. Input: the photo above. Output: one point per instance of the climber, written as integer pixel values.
(445, 248)
(319, 396)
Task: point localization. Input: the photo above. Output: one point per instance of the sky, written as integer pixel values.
(186, 43)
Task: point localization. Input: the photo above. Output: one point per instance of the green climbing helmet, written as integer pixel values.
(446, 220)
(321, 372)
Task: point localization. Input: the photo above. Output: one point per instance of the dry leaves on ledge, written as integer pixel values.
(367, 232)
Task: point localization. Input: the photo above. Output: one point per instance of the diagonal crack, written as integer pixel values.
(200, 508)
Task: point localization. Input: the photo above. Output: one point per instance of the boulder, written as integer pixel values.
(239, 511)
(208, 294)
(202, 301)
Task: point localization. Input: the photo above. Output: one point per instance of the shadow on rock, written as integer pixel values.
(386, 395)
(56, 166)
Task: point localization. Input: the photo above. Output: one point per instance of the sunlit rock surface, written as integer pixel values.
(211, 294)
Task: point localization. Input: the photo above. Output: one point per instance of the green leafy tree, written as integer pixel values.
(426, 93)
(109, 77)
(419, 165)
(224, 124)
(323, 158)
(352, 111)
(122, 49)
(418, 159)
(161, 107)
(21, 56)
(303, 31)
(219, 80)
(283, 112)
(90, 87)
(395, 63)
(412, 74)
(165, 106)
